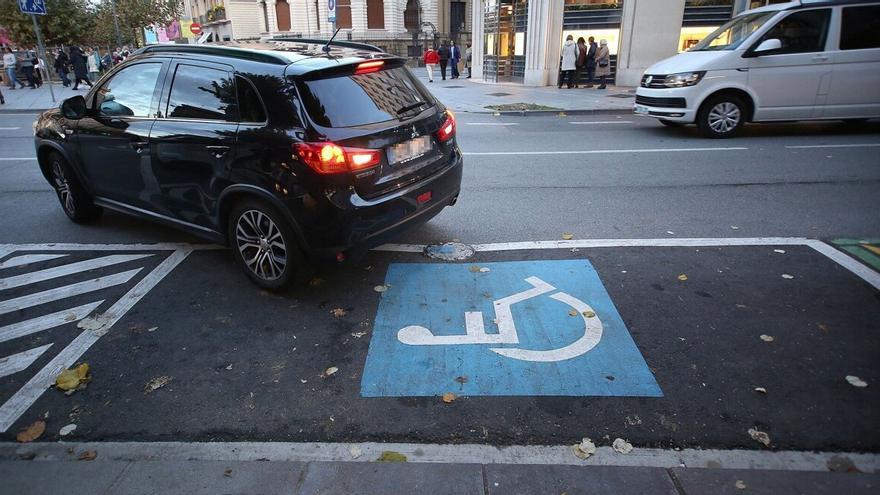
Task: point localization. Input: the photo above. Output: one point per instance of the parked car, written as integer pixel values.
(801, 60)
(284, 150)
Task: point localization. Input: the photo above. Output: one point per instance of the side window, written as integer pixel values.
(860, 28)
(250, 108)
(801, 32)
(202, 93)
(129, 93)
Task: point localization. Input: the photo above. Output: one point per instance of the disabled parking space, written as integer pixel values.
(663, 346)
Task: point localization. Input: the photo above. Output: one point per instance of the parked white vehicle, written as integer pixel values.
(801, 60)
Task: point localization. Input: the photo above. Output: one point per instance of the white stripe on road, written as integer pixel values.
(61, 246)
(603, 122)
(17, 159)
(34, 325)
(842, 259)
(68, 269)
(859, 145)
(27, 259)
(66, 291)
(9, 128)
(597, 243)
(17, 362)
(490, 123)
(598, 152)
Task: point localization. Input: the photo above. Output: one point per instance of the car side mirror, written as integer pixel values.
(74, 108)
(770, 45)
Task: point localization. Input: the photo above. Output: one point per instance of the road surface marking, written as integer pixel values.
(17, 362)
(27, 259)
(603, 122)
(811, 146)
(491, 123)
(68, 269)
(844, 260)
(600, 152)
(9, 128)
(66, 291)
(61, 246)
(17, 159)
(34, 325)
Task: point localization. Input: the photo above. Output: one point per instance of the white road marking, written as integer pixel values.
(491, 123)
(31, 391)
(860, 270)
(27, 259)
(600, 152)
(9, 128)
(66, 291)
(61, 246)
(68, 269)
(17, 159)
(17, 362)
(603, 122)
(34, 325)
(860, 145)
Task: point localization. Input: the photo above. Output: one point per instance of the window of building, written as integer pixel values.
(375, 14)
(860, 28)
(130, 92)
(411, 18)
(592, 4)
(343, 14)
(202, 93)
(801, 32)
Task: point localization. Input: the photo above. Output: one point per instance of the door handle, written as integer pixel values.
(218, 151)
(139, 146)
(820, 58)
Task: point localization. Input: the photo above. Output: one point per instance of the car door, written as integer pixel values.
(789, 81)
(855, 85)
(193, 141)
(113, 137)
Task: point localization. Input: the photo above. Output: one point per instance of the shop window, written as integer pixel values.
(343, 14)
(375, 14)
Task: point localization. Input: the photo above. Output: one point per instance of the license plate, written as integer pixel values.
(408, 150)
(641, 109)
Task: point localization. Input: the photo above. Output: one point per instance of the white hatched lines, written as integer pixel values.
(71, 279)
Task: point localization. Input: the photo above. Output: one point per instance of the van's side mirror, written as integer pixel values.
(770, 45)
(74, 108)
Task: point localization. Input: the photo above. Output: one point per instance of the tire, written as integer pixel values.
(75, 201)
(721, 116)
(671, 123)
(265, 246)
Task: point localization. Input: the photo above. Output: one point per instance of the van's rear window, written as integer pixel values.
(347, 101)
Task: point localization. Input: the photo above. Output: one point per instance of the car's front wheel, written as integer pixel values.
(721, 116)
(265, 246)
(74, 199)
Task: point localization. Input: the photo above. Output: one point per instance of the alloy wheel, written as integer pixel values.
(724, 117)
(62, 186)
(261, 244)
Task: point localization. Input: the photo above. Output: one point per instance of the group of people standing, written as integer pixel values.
(581, 56)
(447, 56)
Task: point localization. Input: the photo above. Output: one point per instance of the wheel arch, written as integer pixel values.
(742, 94)
(239, 192)
(44, 149)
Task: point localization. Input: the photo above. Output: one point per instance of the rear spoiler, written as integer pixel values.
(314, 41)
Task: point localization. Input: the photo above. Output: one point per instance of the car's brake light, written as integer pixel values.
(447, 130)
(367, 67)
(330, 158)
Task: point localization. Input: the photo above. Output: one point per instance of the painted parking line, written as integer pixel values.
(600, 152)
(9, 128)
(602, 122)
(853, 145)
(18, 159)
(521, 328)
(491, 123)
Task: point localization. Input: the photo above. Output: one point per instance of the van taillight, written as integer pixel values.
(447, 130)
(330, 158)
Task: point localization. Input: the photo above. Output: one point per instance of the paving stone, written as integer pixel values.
(208, 478)
(506, 479)
(366, 478)
(756, 482)
(50, 477)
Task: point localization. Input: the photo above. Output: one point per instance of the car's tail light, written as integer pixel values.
(367, 67)
(330, 158)
(447, 130)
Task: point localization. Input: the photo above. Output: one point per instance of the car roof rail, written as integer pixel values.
(226, 51)
(315, 41)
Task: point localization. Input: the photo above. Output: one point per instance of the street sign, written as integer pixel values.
(37, 7)
(331, 11)
(196, 28)
(527, 328)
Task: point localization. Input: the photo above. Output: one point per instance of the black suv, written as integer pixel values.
(283, 150)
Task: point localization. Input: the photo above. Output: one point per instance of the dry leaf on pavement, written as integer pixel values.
(483, 269)
(572, 313)
(391, 456)
(761, 390)
(856, 381)
(787, 276)
(474, 269)
(767, 338)
(780, 251)
(567, 236)
(355, 451)
(621, 446)
(449, 397)
(88, 455)
(682, 277)
(227, 472)
(329, 371)
(156, 383)
(380, 288)
(589, 314)
(67, 430)
(584, 449)
(32, 432)
(338, 312)
(759, 436)
(740, 485)
(316, 282)
(72, 379)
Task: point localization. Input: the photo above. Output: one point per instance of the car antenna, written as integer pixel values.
(326, 48)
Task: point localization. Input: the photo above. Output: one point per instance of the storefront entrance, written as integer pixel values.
(504, 47)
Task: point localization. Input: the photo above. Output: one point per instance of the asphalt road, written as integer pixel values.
(242, 364)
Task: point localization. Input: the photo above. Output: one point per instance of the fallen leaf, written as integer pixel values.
(483, 269)
(338, 312)
(767, 338)
(229, 367)
(358, 335)
(572, 313)
(740, 485)
(682, 277)
(567, 236)
(761, 390)
(584, 449)
(574, 250)
(355, 451)
(156, 384)
(780, 251)
(759, 436)
(670, 232)
(32, 432)
(449, 397)
(856, 381)
(329, 371)
(152, 329)
(621, 446)
(380, 288)
(787, 276)
(474, 269)
(316, 282)
(822, 328)
(391, 456)
(589, 314)
(734, 227)
(741, 306)
(303, 381)
(88, 455)
(227, 472)
(67, 430)
(70, 317)
(71, 379)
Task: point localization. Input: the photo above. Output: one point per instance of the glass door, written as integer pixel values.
(505, 25)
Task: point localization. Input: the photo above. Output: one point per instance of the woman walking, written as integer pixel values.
(80, 67)
(431, 61)
(603, 63)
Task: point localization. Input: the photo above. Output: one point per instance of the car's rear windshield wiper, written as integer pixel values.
(403, 110)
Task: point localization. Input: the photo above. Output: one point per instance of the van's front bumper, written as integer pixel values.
(674, 104)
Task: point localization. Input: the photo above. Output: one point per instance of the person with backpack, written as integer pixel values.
(431, 61)
(443, 53)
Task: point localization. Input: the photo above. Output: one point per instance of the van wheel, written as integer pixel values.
(265, 246)
(74, 199)
(721, 116)
(671, 123)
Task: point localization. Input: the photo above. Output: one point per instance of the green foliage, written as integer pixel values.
(67, 21)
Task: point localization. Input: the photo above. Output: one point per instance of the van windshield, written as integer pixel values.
(732, 34)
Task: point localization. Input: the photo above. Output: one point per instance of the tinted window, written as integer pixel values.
(363, 99)
(249, 105)
(129, 93)
(202, 93)
(801, 32)
(860, 28)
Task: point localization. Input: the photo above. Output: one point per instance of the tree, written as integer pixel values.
(67, 21)
(133, 16)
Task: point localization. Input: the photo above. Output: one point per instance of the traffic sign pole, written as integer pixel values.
(41, 52)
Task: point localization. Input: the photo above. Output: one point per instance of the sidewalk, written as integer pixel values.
(23, 100)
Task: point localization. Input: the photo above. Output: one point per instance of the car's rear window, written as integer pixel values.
(347, 101)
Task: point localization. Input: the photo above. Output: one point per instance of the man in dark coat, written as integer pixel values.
(61, 63)
(80, 67)
(591, 61)
(444, 58)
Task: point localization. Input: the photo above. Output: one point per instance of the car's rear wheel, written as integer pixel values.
(265, 246)
(74, 199)
(721, 116)
(671, 123)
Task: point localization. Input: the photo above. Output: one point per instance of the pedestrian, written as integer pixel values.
(468, 59)
(569, 61)
(61, 64)
(2, 100)
(431, 61)
(28, 59)
(454, 58)
(591, 61)
(38, 71)
(10, 63)
(94, 63)
(603, 63)
(80, 67)
(443, 53)
(581, 60)
(106, 62)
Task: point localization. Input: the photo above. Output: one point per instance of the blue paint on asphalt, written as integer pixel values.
(437, 295)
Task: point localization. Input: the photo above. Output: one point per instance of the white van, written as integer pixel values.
(801, 60)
